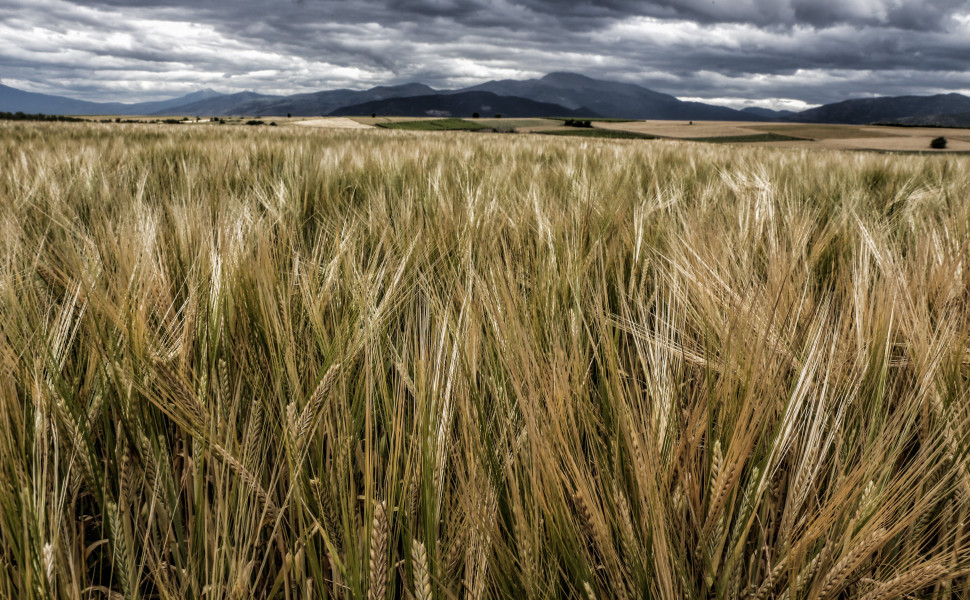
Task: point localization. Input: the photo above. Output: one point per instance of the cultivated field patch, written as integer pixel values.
(331, 123)
(434, 125)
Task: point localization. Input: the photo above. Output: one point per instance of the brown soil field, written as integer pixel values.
(682, 129)
(378, 120)
(818, 131)
(332, 123)
(840, 137)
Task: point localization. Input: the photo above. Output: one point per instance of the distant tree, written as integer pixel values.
(475, 115)
(288, 115)
(373, 115)
(498, 115)
(938, 143)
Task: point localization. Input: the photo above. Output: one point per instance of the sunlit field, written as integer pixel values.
(295, 362)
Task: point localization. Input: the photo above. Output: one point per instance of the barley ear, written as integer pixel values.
(378, 555)
(419, 563)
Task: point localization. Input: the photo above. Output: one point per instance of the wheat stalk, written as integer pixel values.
(312, 409)
(419, 563)
(837, 577)
(330, 520)
(907, 583)
(378, 554)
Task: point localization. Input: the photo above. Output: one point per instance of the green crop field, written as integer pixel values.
(295, 362)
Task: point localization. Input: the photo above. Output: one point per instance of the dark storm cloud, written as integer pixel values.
(901, 14)
(807, 51)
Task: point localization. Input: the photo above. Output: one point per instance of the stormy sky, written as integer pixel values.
(775, 53)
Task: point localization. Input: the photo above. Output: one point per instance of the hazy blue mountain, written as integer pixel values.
(312, 104)
(555, 94)
(767, 112)
(892, 108)
(148, 108)
(14, 100)
(610, 98)
(216, 106)
(462, 104)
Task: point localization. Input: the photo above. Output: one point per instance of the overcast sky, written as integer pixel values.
(777, 53)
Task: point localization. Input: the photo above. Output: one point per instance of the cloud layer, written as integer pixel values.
(788, 53)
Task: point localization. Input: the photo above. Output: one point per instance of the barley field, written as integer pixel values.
(306, 363)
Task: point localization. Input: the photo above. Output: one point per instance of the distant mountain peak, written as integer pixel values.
(566, 78)
(405, 87)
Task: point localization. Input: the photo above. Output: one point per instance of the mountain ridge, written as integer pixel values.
(17, 100)
(558, 93)
(609, 98)
(863, 111)
(462, 104)
(572, 94)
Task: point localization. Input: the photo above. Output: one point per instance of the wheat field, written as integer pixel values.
(303, 363)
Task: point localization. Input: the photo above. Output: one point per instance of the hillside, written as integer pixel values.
(611, 98)
(14, 100)
(591, 97)
(218, 106)
(950, 120)
(316, 103)
(462, 104)
(872, 110)
(562, 94)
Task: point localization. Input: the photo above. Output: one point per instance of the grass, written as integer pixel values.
(433, 125)
(246, 362)
(749, 139)
(614, 134)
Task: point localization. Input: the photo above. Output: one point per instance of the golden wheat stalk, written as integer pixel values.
(907, 583)
(377, 590)
(838, 576)
(422, 579)
(311, 412)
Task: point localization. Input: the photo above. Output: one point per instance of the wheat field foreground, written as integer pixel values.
(306, 363)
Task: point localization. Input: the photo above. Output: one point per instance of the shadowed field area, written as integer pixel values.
(803, 135)
(298, 362)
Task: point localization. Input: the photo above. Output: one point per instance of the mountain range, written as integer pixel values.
(556, 94)
(884, 110)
